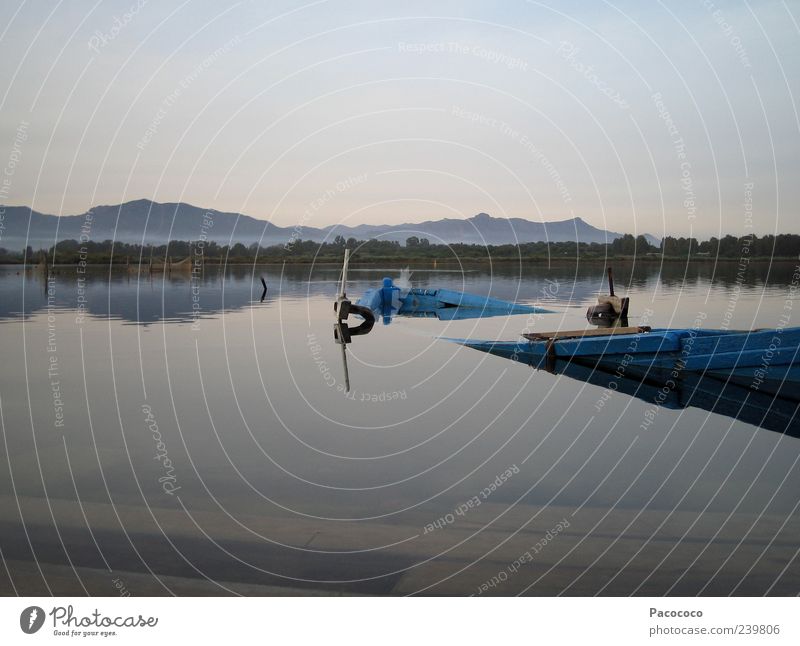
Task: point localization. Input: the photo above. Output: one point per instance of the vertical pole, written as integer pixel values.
(346, 371)
(344, 273)
(610, 283)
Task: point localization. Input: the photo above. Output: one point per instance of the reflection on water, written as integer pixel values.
(212, 447)
(776, 411)
(178, 296)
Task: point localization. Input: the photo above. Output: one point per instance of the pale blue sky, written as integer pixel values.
(439, 109)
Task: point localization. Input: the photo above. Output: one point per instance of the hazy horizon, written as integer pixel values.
(201, 206)
(669, 120)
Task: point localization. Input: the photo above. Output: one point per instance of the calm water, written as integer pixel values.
(164, 436)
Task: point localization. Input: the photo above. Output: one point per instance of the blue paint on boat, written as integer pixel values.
(445, 304)
(751, 376)
(765, 359)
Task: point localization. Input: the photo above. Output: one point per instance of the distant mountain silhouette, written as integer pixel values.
(484, 229)
(154, 223)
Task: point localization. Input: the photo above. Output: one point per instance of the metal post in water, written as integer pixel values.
(344, 273)
(346, 371)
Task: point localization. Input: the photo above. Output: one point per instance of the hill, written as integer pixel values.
(155, 223)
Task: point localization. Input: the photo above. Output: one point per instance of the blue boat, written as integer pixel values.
(750, 376)
(762, 360)
(392, 300)
(389, 300)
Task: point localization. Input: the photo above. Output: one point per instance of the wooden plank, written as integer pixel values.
(571, 334)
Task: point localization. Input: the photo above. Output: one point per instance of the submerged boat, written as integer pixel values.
(751, 376)
(390, 300)
(762, 360)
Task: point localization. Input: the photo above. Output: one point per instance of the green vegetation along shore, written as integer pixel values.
(730, 248)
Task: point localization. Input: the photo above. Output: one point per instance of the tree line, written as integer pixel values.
(415, 248)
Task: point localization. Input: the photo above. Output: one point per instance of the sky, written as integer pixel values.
(669, 118)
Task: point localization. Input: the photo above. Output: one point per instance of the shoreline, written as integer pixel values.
(415, 262)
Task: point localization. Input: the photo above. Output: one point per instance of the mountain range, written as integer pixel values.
(155, 223)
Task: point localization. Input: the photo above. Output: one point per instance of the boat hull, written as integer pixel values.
(762, 360)
(444, 304)
(751, 376)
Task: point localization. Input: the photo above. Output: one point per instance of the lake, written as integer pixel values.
(170, 435)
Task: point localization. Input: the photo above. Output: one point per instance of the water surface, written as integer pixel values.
(181, 436)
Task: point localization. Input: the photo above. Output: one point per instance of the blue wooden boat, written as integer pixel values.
(762, 360)
(391, 300)
(445, 304)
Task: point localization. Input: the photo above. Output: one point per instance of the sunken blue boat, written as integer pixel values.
(762, 360)
(445, 304)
